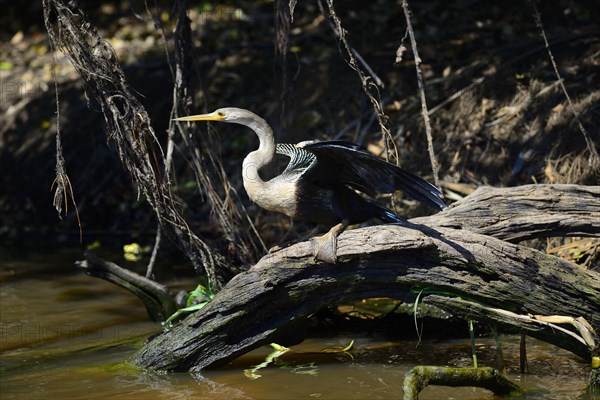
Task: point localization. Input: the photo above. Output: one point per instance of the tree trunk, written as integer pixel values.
(258, 305)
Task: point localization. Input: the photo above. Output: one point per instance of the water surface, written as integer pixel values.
(64, 335)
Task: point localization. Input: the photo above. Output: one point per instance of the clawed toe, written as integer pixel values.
(325, 248)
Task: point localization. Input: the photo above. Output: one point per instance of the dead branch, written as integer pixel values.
(389, 260)
(547, 332)
(594, 159)
(160, 303)
(525, 212)
(548, 223)
(369, 82)
(424, 112)
(487, 378)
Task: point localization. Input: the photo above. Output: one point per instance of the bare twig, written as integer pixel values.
(369, 82)
(154, 256)
(366, 66)
(245, 244)
(170, 142)
(292, 6)
(456, 95)
(282, 34)
(594, 157)
(128, 124)
(413, 42)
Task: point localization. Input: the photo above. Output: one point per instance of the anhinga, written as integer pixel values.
(321, 180)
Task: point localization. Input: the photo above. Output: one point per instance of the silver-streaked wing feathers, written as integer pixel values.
(300, 159)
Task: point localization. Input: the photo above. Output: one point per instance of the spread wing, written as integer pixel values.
(344, 162)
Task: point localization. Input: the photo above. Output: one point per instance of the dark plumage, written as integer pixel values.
(340, 169)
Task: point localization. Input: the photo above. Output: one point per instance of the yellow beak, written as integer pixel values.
(214, 116)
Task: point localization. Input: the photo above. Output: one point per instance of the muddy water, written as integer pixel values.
(64, 335)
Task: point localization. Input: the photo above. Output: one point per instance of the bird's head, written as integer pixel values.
(228, 114)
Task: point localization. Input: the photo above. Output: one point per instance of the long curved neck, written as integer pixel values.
(278, 194)
(258, 158)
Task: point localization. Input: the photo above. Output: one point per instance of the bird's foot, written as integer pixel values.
(325, 247)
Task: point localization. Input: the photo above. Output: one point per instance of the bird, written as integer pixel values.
(332, 183)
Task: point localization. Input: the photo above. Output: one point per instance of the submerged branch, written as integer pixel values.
(157, 298)
(487, 378)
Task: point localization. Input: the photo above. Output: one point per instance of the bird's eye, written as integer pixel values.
(221, 114)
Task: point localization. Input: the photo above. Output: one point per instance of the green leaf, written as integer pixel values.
(200, 291)
(6, 65)
(177, 313)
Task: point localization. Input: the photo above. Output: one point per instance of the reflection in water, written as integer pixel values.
(64, 335)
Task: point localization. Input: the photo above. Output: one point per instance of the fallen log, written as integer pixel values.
(389, 260)
(257, 305)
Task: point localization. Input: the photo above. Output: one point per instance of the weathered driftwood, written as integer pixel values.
(525, 212)
(487, 378)
(386, 260)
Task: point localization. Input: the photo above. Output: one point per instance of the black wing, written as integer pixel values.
(344, 162)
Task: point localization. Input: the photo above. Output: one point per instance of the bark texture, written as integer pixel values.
(525, 212)
(391, 260)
